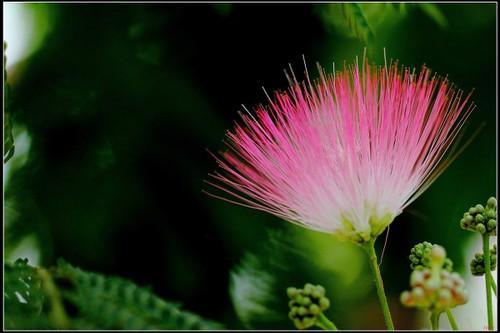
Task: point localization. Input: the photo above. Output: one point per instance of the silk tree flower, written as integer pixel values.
(344, 154)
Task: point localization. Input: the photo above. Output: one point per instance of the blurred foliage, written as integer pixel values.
(258, 284)
(66, 297)
(115, 124)
(8, 139)
(360, 20)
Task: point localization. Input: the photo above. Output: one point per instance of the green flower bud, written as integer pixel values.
(292, 292)
(302, 311)
(321, 290)
(420, 257)
(324, 303)
(314, 309)
(308, 288)
(306, 304)
(308, 321)
(492, 202)
(481, 228)
(477, 264)
(478, 218)
(491, 214)
(305, 301)
(492, 224)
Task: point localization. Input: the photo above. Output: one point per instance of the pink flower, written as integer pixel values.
(347, 153)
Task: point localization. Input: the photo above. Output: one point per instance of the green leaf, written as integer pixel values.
(23, 296)
(8, 138)
(356, 20)
(87, 300)
(433, 11)
(400, 7)
(116, 303)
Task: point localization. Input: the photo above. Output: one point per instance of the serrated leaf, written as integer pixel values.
(116, 303)
(87, 300)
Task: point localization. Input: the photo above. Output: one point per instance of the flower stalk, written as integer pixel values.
(451, 319)
(493, 285)
(325, 323)
(435, 320)
(488, 278)
(377, 277)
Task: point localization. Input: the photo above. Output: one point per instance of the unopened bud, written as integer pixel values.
(305, 301)
(492, 224)
(418, 293)
(481, 228)
(406, 298)
(324, 303)
(308, 288)
(292, 292)
(438, 254)
(444, 296)
(492, 202)
(302, 311)
(416, 278)
(314, 309)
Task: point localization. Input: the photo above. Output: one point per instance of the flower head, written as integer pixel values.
(306, 305)
(344, 154)
(421, 257)
(434, 287)
(481, 219)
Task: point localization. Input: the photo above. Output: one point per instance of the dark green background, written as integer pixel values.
(122, 101)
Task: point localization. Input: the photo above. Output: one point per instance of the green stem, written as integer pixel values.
(487, 278)
(435, 320)
(57, 313)
(370, 247)
(452, 320)
(325, 323)
(493, 284)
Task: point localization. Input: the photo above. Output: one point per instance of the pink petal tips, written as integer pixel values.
(347, 153)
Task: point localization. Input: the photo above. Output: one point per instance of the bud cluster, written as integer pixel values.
(432, 286)
(306, 305)
(477, 264)
(440, 292)
(420, 257)
(481, 219)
